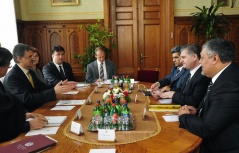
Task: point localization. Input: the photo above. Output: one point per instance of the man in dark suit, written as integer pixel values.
(100, 69)
(177, 75)
(196, 84)
(22, 82)
(12, 112)
(217, 118)
(58, 70)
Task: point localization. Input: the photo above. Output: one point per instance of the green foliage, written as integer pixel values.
(207, 25)
(98, 36)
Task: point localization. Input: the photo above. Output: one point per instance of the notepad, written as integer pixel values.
(80, 85)
(71, 102)
(65, 108)
(171, 117)
(55, 120)
(165, 101)
(44, 131)
(70, 93)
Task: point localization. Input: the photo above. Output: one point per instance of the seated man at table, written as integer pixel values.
(195, 85)
(216, 120)
(177, 75)
(22, 82)
(100, 69)
(12, 113)
(58, 70)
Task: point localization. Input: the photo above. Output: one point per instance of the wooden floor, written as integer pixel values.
(171, 139)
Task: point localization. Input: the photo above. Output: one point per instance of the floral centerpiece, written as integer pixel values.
(116, 93)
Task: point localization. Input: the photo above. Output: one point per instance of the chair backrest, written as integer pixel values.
(147, 76)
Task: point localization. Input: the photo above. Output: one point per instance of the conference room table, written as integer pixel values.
(171, 138)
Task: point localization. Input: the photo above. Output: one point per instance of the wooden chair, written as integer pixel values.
(147, 76)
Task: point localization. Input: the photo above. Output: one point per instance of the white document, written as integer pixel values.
(71, 102)
(66, 108)
(132, 81)
(80, 85)
(55, 120)
(165, 101)
(70, 93)
(107, 81)
(102, 150)
(44, 131)
(171, 118)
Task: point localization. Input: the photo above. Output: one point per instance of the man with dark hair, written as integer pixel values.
(22, 82)
(100, 69)
(12, 113)
(195, 85)
(177, 76)
(216, 120)
(58, 70)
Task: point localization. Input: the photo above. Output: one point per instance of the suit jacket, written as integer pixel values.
(174, 81)
(52, 74)
(193, 92)
(12, 116)
(17, 83)
(92, 73)
(219, 121)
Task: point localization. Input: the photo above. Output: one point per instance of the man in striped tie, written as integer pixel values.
(100, 69)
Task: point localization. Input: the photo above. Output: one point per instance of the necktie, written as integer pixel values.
(30, 78)
(189, 78)
(177, 72)
(62, 73)
(205, 97)
(101, 71)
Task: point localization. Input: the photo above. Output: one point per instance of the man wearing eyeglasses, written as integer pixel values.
(22, 82)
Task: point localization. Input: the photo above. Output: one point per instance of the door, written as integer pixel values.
(144, 35)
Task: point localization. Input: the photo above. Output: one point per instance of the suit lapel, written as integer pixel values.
(24, 77)
(56, 71)
(95, 67)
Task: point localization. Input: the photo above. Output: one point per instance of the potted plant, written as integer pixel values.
(207, 25)
(98, 36)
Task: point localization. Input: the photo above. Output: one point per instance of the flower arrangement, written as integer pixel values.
(116, 93)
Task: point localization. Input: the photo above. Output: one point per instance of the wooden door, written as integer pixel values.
(144, 34)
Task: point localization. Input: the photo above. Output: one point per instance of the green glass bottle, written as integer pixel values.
(97, 110)
(100, 106)
(118, 107)
(114, 114)
(106, 111)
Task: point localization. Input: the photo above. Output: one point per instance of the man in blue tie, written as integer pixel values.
(176, 77)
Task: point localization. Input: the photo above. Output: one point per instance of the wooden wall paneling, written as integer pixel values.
(234, 34)
(35, 37)
(55, 36)
(75, 45)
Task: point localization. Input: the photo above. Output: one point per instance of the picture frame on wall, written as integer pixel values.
(64, 2)
(226, 3)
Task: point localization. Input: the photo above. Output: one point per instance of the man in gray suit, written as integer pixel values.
(100, 69)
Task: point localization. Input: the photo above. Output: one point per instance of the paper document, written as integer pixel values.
(44, 131)
(63, 108)
(79, 85)
(102, 150)
(171, 117)
(55, 120)
(70, 93)
(165, 101)
(71, 102)
(107, 81)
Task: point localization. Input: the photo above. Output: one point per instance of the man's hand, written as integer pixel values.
(187, 110)
(156, 94)
(155, 86)
(72, 84)
(164, 89)
(38, 123)
(61, 87)
(168, 94)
